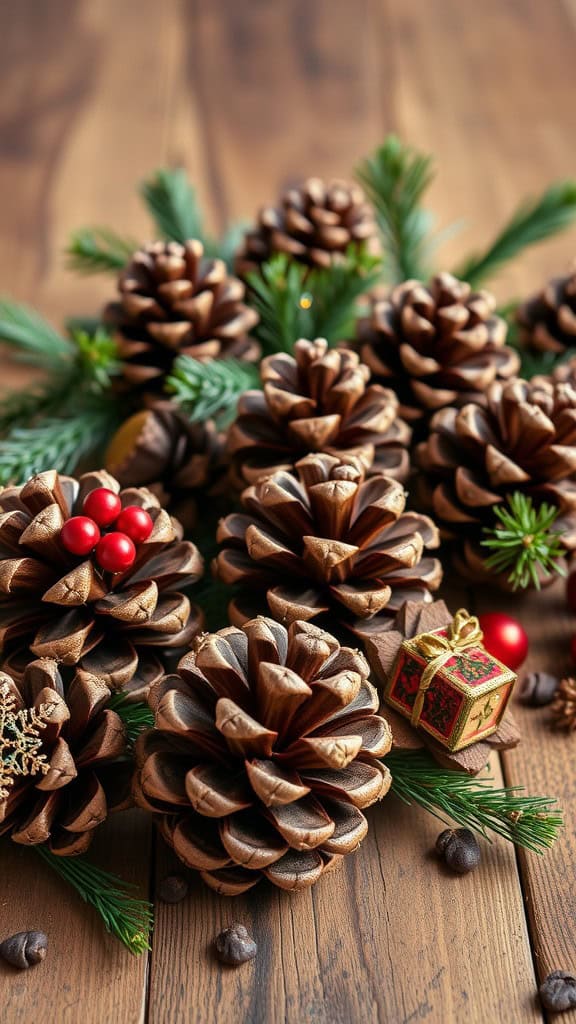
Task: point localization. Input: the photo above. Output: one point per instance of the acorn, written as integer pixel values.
(25, 949)
(459, 850)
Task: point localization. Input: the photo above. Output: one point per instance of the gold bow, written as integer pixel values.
(463, 633)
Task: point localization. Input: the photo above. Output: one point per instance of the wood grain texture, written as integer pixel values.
(252, 97)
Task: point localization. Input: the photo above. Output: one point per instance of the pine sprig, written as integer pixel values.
(395, 179)
(56, 442)
(33, 338)
(524, 542)
(210, 390)
(534, 221)
(136, 716)
(99, 250)
(96, 360)
(333, 294)
(129, 919)
(172, 202)
(530, 822)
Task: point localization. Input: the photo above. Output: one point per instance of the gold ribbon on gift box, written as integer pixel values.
(462, 634)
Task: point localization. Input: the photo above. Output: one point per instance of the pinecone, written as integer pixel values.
(436, 345)
(327, 543)
(522, 438)
(174, 302)
(63, 606)
(547, 320)
(317, 401)
(563, 707)
(311, 224)
(178, 461)
(78, 774)
(264, 755)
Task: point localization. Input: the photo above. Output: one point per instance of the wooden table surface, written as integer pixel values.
(252, 96)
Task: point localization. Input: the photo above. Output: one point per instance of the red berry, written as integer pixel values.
(115, 552)
(504, 638)
(103, 506)
(571, 591)
(135, 522)
(79, 535)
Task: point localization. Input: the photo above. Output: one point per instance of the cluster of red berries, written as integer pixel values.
(115, 551)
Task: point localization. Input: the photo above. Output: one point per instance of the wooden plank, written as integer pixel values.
(544, 763)
(87, 975)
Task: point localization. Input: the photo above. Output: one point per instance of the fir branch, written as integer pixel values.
(136, 716)
(210, 390)
(527, 821)
(395, 179)
(57, 442)
(333, 294)
(33, 339)
(524, 542)
(21, 408)
(535, 220)
(129, 919)
(172, 203)
(99, 250)
(96, 359)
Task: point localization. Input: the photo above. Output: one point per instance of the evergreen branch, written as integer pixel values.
(129, 919)
(56, 442)
(524, 542)
(210, 390)
(395, 179)
(527, 821)
(172, 203)
(99, 251)
(333, 294)
(32, 337)
(21, 408)
(136, 717)
(96, 359)
(535, 220)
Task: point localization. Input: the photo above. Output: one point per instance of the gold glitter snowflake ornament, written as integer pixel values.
(20, 739)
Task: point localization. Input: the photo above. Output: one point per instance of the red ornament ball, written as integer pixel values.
(504, 638)
(79, 535)
(115, 552)
(135, 523)
(571, 591)
(103, 506)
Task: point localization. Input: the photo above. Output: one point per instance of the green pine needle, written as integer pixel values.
(524, 542)
(535, 220)
(129, 919)
(296, 302)
(210, 390)
(56, 442)
(530, 822)
(172, 203)
(99, 250)
(136, 716)
(395, 179)
(32, 338)
(96, 358)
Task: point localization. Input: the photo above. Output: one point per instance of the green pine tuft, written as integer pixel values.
(523, 541)
(172, 202)
(99, 250)
(32, 337)
(210, 390)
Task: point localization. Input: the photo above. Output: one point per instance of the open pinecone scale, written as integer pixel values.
(264, 754)
(56, 605)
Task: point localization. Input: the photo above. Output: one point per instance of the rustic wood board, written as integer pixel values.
(252, 97)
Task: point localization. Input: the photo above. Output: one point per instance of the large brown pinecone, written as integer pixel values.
(263, 755)
(178, 461)
(563, 707)
(436, 345)
(174, 302)
(80, 772)
(56, 605)
(547, 320)
(328, 543)
(311, 224)
(318, 400)
(522, 438)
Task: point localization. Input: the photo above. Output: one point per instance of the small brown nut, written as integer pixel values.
(459, 849)
(173, 889)
(235, 946)
(24, 949)
(538, 689)
(558, 992)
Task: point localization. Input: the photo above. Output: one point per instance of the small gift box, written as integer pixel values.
(448, 685)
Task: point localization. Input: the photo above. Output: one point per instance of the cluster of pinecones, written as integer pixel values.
(267, 741)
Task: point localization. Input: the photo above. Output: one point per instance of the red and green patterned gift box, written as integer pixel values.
(448, 685)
